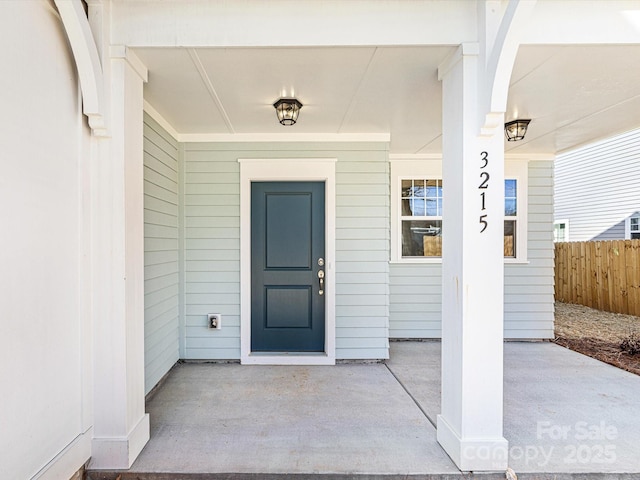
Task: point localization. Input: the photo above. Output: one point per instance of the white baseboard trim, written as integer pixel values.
(69, 460)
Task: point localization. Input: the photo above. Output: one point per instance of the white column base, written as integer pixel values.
(473, 455)
(120, 453)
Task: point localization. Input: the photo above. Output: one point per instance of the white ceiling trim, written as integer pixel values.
(125, 53)
(532, 157)
(153, 113)
(284, 137)
(438, 156)
(210, 88)
(415, 156)
(262, 137)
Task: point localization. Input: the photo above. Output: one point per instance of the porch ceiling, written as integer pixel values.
(573, 94)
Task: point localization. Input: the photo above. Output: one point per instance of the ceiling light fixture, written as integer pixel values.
(287, 110)
(516, 130)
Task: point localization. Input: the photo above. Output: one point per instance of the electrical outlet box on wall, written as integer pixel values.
(214, 321)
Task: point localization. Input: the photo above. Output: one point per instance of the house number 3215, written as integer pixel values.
(484, 184)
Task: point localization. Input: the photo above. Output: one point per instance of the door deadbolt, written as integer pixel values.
(321, 262)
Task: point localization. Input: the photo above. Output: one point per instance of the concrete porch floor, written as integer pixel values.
(566, 416)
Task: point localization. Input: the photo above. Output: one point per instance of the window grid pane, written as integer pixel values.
(422, 198)
(510, 238)
(422, 238)
(510, 197)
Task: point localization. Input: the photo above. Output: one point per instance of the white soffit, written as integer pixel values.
(350, 90)
(573, 94)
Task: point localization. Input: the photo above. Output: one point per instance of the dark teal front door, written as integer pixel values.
(287, 261)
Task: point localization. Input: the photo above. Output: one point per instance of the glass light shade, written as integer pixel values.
(287, 110)
(516, 130)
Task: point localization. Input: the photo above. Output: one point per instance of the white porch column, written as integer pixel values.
(470, 425)
(121, 427)
(475, 83)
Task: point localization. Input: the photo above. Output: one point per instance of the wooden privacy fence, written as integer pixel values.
(603, 275)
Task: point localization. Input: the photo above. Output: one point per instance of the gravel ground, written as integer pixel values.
(597, 334)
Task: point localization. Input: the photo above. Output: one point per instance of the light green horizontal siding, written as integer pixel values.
(374, 300)
(212, 244)
(415, 301)
(528, 299)
(212, 253)
(362, 251)
(161, 267)
(415, 308)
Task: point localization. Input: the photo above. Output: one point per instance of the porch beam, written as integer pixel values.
(255, 23)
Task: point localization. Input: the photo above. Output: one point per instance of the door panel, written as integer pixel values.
(288, 223)
(288, 307)
(287, 240)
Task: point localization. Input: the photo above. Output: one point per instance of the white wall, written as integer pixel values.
(44, 326)
(596, 186)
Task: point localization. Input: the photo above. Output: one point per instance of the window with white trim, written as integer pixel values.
(417, 223)
(561, 231)
(421, 217)
(634, 228)
(510, 217)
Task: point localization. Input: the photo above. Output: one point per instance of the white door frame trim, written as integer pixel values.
(290, 169)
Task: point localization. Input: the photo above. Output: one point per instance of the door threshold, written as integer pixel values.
(299, 354)
(288, 358)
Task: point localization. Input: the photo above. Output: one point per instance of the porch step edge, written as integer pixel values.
(127, 475)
